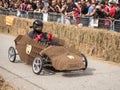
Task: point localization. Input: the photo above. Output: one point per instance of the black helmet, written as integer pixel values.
(37, 23)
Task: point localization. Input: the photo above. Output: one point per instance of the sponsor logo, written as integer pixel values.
(70, 57)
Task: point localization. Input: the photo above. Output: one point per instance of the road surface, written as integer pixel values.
(98, 76)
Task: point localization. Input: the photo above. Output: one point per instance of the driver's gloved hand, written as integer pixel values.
(39, 37)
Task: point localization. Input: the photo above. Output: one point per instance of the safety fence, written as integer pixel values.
(66, 19)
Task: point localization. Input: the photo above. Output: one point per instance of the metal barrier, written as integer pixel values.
(30, 14)
(105, 23)
(55, 17)
(4, 12)
(23, 14)
(68, 19)
(65, 19)
(38, 15)
(84, 21)
(116, 25)
(13, 12)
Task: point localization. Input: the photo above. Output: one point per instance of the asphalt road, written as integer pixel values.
(98, 76)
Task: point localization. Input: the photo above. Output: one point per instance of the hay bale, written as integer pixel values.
(5, 85)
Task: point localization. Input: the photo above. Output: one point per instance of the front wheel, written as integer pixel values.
(37, 65)
(84, 61)
(12, 54)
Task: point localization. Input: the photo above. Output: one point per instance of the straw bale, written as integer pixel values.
(5, 85)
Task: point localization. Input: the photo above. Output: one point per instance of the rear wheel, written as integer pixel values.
(12, 54)
(37, 65)
(84, 61)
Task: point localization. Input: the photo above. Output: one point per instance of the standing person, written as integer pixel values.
(1, 4)
(38, 35)
(118, 3)
(24, 4)
(62, 6)
(84, 7)
(112, 9)
(39, 5)
(70, 12)
(46, 4)
(91, 9)
(32, 4)
(70, 7)
(53, 7)
(106, 10)
(5, 4)
(91, 13)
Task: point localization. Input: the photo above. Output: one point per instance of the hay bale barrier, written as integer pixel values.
(95, 42)
(5, 85)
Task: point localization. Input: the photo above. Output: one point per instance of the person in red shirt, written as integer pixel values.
(112, 9)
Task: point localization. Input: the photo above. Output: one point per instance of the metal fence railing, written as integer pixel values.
(84, 21)
(65, 19)
(116, 25)
(69, 19)
(38, 15)
(54, 17)
(105, 23)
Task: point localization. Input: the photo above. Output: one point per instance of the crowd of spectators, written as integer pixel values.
(88, 8)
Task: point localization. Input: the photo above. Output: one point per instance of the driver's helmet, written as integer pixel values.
(37, 23)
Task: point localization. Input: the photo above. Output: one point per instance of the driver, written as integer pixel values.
(37, 33)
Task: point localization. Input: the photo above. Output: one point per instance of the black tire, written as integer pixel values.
(37, 65)
(11, 54)
(84, 61)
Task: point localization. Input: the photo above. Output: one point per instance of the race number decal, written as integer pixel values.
(28, 49)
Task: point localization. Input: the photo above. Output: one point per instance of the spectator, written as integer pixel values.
(29, 7)
(77, 9)
(71, 12)
(5, 4)
(100, 12)
(24, 5)
(62, 6)
(46, 6)
(70, 7)
(11, 4)
(91, 10)
(77, 12)
(32, 4)
(105, 6)
(39, 5)
(117, 13)
(112, 9)
(1, 4)
(91, 13)
(118, 3)
(54, 7)
(75, 0)
(84, 7)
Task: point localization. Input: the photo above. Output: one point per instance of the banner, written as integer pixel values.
(9, 20)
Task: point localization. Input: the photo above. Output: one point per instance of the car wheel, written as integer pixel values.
(37, 65)
(84, 61)
(12, 54)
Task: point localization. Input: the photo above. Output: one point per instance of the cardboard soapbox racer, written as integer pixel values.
(39, 55)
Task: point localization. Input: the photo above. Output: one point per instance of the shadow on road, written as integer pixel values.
(51, 71)
(19, 61)
(78, 73)
(88, 71)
